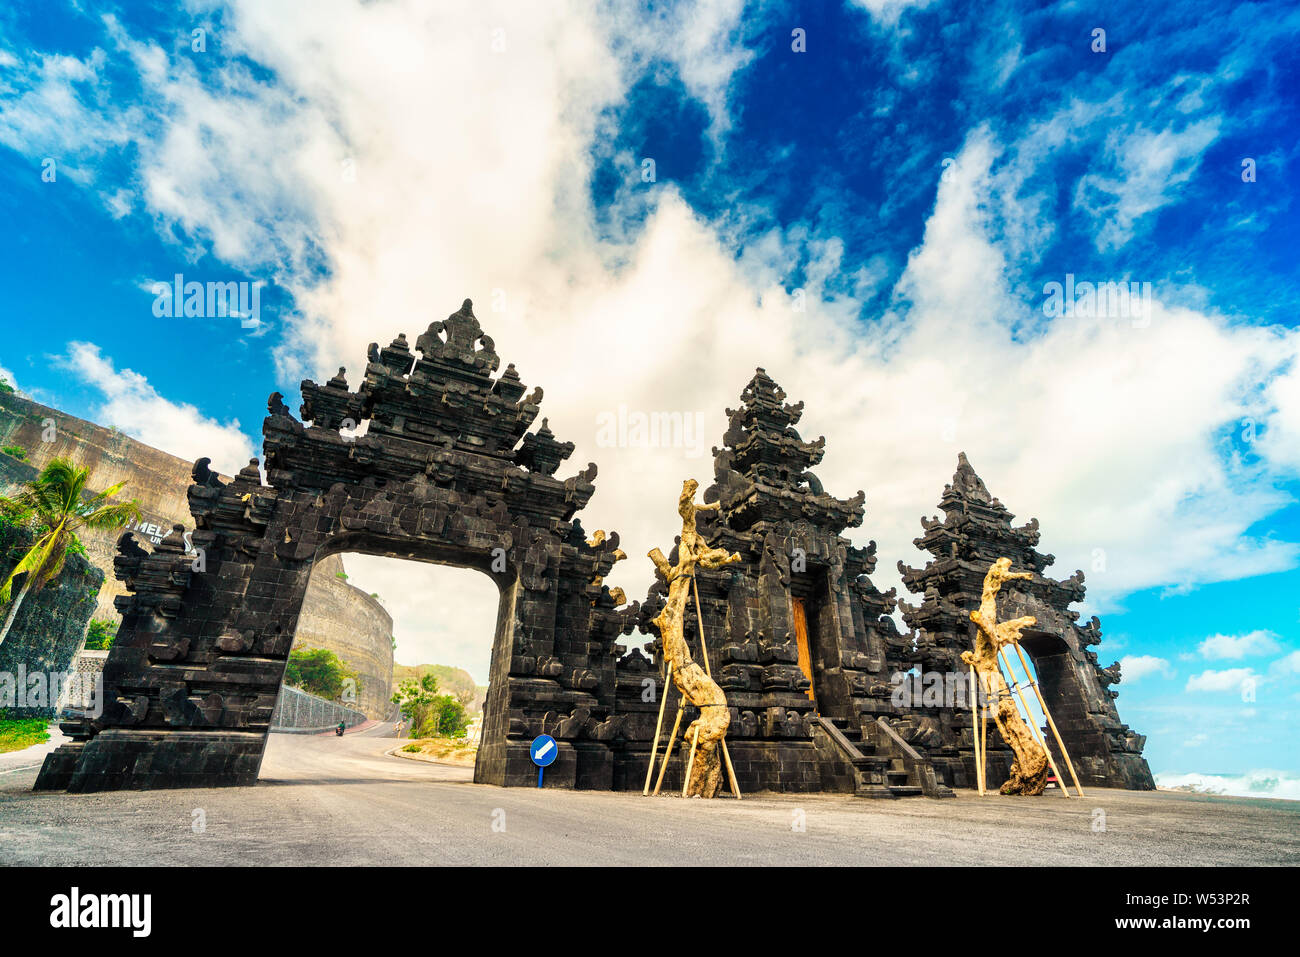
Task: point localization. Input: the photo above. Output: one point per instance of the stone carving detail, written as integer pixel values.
(446, 469)
(429, 453)
(975, 532)
(775, 516)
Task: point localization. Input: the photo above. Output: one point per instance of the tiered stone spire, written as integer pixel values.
(798, 635)
(976, 531)
(762, 472)
(421, 407)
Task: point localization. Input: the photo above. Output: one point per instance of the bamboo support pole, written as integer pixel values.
(690, 763)
(975, 731)
(1033, 683)
(731, 772)
(1005, 658)
(669, 750)
(704, 654)
(659, 724)
(984, 737)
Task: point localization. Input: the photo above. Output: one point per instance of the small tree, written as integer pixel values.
(428, 713)
(56, 504)
(450, 717)
(320, 672)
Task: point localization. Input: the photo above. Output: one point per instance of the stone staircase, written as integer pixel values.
(877, 764)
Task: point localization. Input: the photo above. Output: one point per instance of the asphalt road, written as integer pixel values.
(328, 800)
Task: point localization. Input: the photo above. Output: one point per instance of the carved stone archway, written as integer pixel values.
(446, 471)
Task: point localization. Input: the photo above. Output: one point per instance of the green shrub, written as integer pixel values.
(320, 672)
(17, 451)
(100, 634)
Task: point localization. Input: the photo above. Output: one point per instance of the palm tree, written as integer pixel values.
(59, 505)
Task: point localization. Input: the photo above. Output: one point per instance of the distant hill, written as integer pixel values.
(450, 681)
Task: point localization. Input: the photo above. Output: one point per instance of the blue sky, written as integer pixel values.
(873, 218)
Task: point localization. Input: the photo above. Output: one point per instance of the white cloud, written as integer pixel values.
(1252, 643)
(701, 40)
(53, 108)
(472, 175)
(1286, 665)
(888, 11)
(8, 376)
(440, 615)
(133, 406)
(1136, 667)
(1231, 679)
(1280, 438)
(1142, 171)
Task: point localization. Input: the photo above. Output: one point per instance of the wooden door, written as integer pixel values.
(801, 639)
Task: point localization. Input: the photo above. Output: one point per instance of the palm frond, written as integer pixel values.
(107, 493)
(37, 498)
(33, 563)
(111, 516)
(57, 490)
(58, 498)
(59, 473)
(72, 495)
(53, 568)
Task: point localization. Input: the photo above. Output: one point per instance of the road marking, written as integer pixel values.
(25, 767)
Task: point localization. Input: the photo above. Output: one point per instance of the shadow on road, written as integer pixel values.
(316, 782)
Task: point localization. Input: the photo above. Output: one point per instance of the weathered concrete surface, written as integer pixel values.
(328, 800)
(347, 621)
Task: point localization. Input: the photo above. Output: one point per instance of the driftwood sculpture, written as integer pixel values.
(1029, 767)
(705, 734)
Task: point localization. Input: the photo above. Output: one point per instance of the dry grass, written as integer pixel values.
(446, 750)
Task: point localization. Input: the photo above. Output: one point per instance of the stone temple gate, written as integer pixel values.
(450, 470)
(447, 471)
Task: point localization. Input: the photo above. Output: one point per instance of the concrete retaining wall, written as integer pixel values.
(345, 620)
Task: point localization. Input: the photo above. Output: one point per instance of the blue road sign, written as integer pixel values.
(543, 751)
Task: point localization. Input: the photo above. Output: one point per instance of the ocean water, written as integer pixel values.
(1283, 785)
